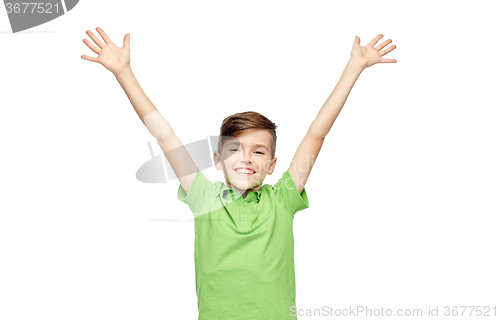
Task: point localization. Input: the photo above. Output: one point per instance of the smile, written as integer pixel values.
(243, 174)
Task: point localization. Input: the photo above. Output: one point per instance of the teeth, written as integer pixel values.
(244, 171)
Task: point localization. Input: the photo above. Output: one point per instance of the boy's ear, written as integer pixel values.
(217, 162)
(272, 166)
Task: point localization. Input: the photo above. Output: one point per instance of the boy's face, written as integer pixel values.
(243, 151)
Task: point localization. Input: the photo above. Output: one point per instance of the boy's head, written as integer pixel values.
(247, 140)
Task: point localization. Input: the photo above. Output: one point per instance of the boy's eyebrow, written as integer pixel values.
(257, 145)
(261, 146)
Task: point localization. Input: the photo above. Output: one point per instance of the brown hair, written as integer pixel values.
(244, 122)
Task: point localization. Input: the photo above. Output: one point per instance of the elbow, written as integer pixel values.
(158, 126)
(317, 134)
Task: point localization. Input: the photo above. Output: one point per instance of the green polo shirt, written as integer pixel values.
(244, 248)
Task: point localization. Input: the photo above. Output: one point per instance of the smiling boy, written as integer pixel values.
(243, 229)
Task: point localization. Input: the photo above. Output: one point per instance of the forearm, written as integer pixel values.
(147, 112)
(142, 105)
(331, 109)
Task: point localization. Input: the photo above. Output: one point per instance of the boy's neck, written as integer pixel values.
(244, 192)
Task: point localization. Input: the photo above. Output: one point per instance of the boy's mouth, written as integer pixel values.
(244, 172)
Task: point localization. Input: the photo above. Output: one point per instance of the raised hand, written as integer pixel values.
(369, 55)
(110, 56)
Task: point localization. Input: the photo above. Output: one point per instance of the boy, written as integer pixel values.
(243, 230)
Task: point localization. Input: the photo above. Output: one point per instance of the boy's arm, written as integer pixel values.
(117, 60)
(175, 152)
(309, 148)
(307, 152)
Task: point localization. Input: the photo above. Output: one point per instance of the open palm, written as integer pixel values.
(368, 55)
(113, 58)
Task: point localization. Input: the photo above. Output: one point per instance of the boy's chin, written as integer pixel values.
(242, 185)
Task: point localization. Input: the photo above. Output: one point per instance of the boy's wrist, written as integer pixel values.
(125, 73)
(353, 65)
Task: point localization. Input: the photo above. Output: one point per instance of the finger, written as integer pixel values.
(93, 59)
(388, 60)
(376, 39)
(96, 40)
(91, 46)
(386, 51)
(382, 45)
(104, 35)
(357, 40)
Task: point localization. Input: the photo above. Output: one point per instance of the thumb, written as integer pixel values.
(357, 40)
(126, 41)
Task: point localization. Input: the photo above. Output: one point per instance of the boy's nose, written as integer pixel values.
(247, 158)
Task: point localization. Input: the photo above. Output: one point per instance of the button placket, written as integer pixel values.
(244, 215)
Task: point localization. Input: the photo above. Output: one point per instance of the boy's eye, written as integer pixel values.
(238, 149)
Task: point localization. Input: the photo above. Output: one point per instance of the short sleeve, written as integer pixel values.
(286, 192)
(200, 194)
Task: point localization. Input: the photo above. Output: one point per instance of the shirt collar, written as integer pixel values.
(226, 191)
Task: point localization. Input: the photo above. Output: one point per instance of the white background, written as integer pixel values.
(403, 198)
